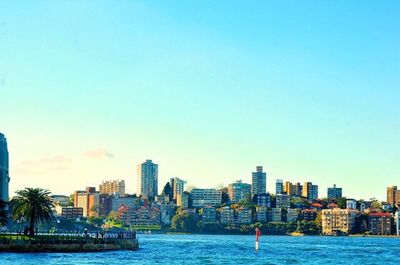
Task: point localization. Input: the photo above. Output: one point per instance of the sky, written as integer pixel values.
(207, 89)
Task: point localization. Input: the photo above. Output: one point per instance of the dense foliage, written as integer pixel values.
(184, 222)
(3, 213)
(35, 205)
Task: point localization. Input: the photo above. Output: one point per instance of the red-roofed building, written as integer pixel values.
(332, 206)
(316, 206)
(380, 223)
(309, 215)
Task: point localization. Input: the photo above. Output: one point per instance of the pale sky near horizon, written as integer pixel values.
(207, 89)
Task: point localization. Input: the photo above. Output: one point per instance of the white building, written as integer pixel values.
(244, 216)
(258, 181)
(351, 204)
(282, 201)
(397, 220)
(147, 185)
(227, 215)
(238, 191)
(206, 197)
(292, 215)
(262, 214)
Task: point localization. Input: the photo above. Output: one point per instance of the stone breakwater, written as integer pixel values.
(49, 244)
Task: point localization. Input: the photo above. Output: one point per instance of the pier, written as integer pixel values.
(68, 242)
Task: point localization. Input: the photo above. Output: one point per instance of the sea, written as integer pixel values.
(231, 249)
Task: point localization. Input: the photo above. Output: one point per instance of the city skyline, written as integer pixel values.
(147, 172)
(251, 179)
(206, 91)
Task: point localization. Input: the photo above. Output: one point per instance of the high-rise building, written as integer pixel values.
(306, 189)
(397, 220)
(238, 191)
(288, 188)
(334, 192)
(310, 191)
(259, 181)
(4, 175)
(178, 186)
(393, 195)
(147, 179)
(313, 195)
(116, 187)
(278, 186)
(297, 189)
(89, 201)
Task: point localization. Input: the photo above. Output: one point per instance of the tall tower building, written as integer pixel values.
(289, 189)
(334, 192)
(147, 185)
(4, 177)
(297, 189)
(259, 181)
(178, 187)
(393, 195)
(310, 191)
(279, 186)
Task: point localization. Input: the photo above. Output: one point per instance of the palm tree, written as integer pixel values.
(35, 205)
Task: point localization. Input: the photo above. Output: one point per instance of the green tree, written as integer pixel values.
(35, 205)
(71, 200)
(184, 222)
(318, 219)
(225, 196)
(112, 216)
(167, 190)
(376, 204)
(3, 213)
(342, 202)
(94, 211)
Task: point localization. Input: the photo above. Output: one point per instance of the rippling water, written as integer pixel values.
(210, 249)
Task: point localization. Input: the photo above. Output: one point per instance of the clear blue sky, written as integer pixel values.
(207, 89)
